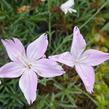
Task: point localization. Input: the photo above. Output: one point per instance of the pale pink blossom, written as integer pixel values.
(68, 6)
(29, 64)
(83, 60)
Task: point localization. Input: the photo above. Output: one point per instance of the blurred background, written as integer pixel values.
(27, 20)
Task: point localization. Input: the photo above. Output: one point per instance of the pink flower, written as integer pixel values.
(68, 7)
(29, 64)
(82, 60)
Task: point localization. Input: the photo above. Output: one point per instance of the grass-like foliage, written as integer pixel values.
(27, 20)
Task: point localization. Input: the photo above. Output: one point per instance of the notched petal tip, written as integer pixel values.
(44, 35)
(89, 89)
(30, 102)
(15, 39)
(14, 48)
(76, 29)
(3, 41)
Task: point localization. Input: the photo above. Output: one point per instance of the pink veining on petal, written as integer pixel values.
(48, 68)
(78, 43)
(11, 70)
(37, 48)
(87, 75)
(28, 84)
(95, 57)
(14, 48)
(65, 58)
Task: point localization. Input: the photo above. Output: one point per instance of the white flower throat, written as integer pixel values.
(26, 63)
(80, 59)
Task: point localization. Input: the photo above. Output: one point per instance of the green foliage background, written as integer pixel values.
(65, 92)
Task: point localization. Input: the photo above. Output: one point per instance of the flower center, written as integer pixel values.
(29, 66)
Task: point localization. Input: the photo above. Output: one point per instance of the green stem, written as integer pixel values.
(49, 23)
(86, 94)
(94, 14)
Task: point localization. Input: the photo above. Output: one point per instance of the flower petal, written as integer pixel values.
(78, 43)
(11, 70)
(28, 84)
(36, 49)
(14, 48)
(64, 58)
(95, 57)
(87, 75)
(68, 6)
(48, 68)
(72, 10)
